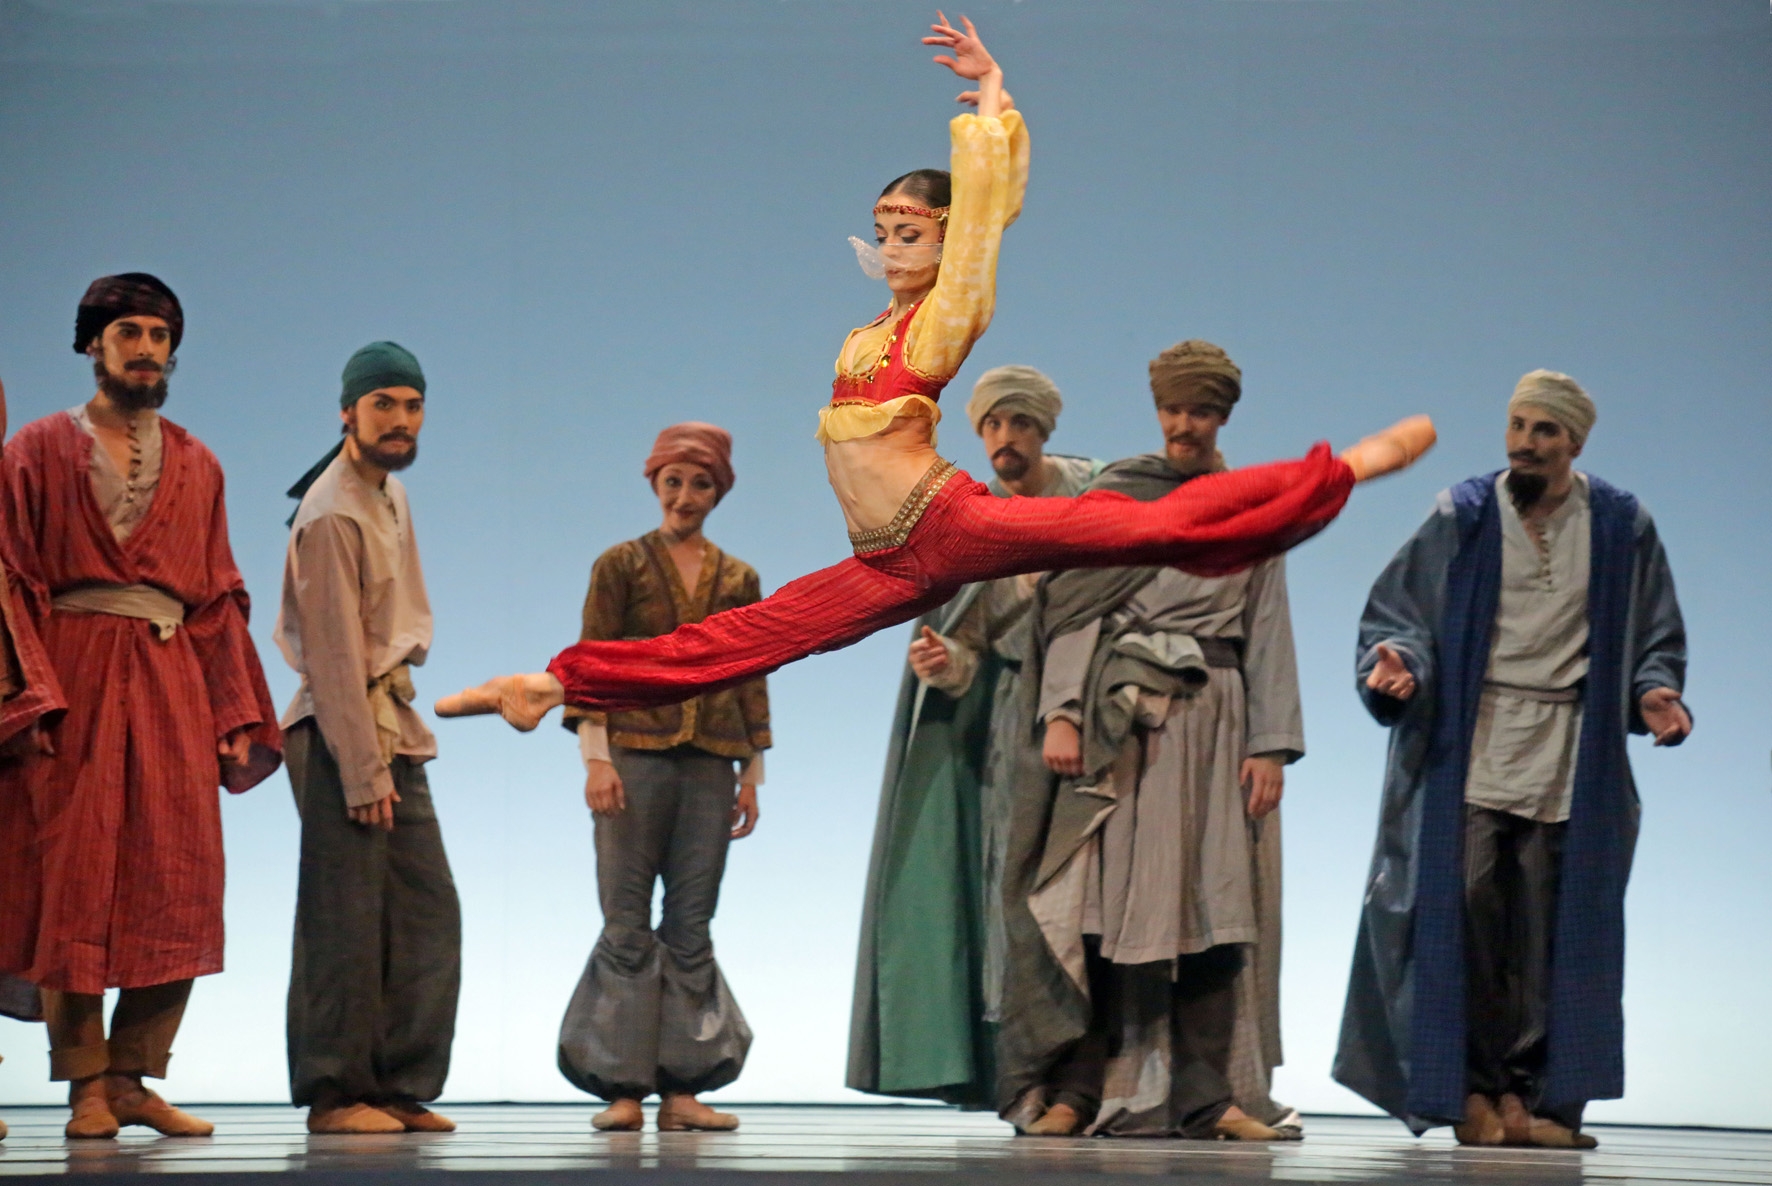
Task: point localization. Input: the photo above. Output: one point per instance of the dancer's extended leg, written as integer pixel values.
(1215, 524)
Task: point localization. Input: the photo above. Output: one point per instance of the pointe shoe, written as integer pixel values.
(620, 1116)
(353, 1117)
(685, 1113)
(2, 1130)
(1060, 1120)
(416, 1117)
(522, 700)
(1545, 1133)
(92, 1118)
(1397, 447)
(1482, 1124)
(1516, 1121)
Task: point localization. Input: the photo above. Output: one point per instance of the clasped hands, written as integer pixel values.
(1666, 718)
(1263, 776)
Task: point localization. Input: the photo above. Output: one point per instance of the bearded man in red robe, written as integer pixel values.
(111, 840)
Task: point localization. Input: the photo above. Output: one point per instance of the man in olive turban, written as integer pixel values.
(377, 965)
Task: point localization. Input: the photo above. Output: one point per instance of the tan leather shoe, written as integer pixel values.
(1482, 1123)
(1060, 1120)
(1548, 1134)
(92, 1118)
(522, 700)
(620, 1116)
(1237, 1125)
(1397, 447)
(348, 1117)
(685, 1113)
(136, 1104)
(1516, 1121)
(416, 1117)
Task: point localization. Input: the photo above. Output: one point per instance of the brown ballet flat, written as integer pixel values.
(1545, 1133)
(1482, 1124)
(620, 1116)
(1397, 447)
(1244, 1128)
(139, 1105)
(92, 1118)
(522, 700)
(1060, 1120)
(416, 1117)
(685, 1113)
(354, 1118)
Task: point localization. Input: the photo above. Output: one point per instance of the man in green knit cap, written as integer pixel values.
(377, 965)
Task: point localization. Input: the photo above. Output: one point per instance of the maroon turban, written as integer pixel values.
(127, 294)
(699, 444)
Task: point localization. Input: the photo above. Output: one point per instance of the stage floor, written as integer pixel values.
(883, 1144)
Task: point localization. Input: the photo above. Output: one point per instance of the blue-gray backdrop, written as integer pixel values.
(591, 220)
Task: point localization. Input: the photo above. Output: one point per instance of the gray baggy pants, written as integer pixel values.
(377, 967)
(652, 1012)
(1511, 870)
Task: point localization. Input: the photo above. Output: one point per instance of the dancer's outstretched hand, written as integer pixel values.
(1397, 447)
(522, 700)
(971, 61)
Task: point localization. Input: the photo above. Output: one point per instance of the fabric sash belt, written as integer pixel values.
(1570, 695)
(166, 612)
(387, 695)
(1221, 652)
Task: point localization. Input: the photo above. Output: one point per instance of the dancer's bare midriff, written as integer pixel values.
(873, 475)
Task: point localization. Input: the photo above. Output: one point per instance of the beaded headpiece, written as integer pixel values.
(939, 213)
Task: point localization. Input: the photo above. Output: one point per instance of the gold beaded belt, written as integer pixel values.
(893, 535)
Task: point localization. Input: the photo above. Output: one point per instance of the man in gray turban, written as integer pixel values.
(1511, 644)
(929, 975)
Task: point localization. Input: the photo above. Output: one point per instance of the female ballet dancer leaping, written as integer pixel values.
(920, 527)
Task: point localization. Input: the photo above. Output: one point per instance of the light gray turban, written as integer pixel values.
(1011, 389)
(1560, 396)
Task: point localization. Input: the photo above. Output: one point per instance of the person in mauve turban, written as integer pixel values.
(669, 787)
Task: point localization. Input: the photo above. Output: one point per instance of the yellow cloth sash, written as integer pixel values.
(166, 612)
(387, 694)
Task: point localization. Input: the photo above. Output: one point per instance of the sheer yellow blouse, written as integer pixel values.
(990, 173)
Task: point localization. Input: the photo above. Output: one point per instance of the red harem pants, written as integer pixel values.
(1211, 526)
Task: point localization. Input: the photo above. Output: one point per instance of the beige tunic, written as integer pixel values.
(124, 498)
(1529, 717)
(354, 609)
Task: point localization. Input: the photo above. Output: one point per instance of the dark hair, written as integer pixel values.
(930, 187)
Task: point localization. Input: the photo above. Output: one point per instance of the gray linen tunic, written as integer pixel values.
(1173, 864)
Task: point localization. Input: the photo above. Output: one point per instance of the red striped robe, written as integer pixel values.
(112, 849)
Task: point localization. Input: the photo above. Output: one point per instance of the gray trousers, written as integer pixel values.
(652, 1012)
(1511, 870)
(377, 967)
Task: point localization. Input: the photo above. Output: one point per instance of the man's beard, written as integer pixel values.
(1526, 489)
(388, 459)
(1010, 465)
(128, 394)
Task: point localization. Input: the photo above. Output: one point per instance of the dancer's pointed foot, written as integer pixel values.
(1397, 447)
(522, 700)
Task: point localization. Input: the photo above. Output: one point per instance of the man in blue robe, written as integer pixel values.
(1511, 645)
